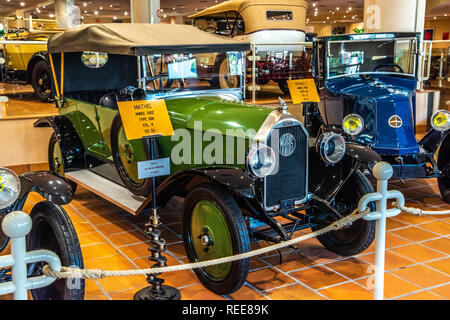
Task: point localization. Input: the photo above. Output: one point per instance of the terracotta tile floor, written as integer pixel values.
(417, 257)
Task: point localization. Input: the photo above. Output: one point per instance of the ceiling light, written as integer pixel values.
(22, 4)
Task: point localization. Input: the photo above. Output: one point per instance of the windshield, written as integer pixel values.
(354, 57)
(170, 73)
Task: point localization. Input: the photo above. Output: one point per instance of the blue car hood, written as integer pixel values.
(385, 96)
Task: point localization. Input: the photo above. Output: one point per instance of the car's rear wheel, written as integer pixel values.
(214, 227)
(53, 230)
(126, 155)
(357, 237)
(41, 81)
(55, 159)
(227, 81)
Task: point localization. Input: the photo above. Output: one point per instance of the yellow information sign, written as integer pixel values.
(303, 90)
(145, 118)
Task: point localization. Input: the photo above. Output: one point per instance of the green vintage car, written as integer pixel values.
(239, 166)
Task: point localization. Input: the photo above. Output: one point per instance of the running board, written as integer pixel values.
(107, 189)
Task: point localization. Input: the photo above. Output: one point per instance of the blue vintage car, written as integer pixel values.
(367, 84)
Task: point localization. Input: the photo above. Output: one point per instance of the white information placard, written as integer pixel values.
(153, 168)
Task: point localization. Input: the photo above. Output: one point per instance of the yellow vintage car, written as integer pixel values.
(275, 27)
(24, 52)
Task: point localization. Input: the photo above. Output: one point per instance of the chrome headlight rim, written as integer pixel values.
(356, 131)
(11, 177)
(446, 126)
(323, 143)
(253, 152)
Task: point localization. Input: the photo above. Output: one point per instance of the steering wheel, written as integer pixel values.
(211, 29)
(168, 85)
(394, 65)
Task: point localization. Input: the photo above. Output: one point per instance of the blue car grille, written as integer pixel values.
(289, 184)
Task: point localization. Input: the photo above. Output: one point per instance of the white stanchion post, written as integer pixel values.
(17, 225)
(382, 172)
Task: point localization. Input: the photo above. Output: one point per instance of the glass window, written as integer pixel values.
(94, 60)
(279, 15)
(353, 57)
(192, 72)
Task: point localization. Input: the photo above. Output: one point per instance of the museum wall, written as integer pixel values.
(439, 28)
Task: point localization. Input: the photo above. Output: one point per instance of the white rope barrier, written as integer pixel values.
(66, 273)
(72, 273)
(419, 212)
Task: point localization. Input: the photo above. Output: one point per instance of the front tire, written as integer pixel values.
(360, 235)
(41, 81)
(214, 227)
(53, 230)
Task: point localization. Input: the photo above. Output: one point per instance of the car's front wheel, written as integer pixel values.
(53, 230)
(357, 237)
(214, 227)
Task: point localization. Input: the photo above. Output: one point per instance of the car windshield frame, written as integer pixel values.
(412, 53)
(144, 76)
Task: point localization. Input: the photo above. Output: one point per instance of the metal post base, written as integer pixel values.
(165, 293)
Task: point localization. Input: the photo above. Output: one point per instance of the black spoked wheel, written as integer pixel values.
(357, 237)
(214, 227)
(53, 230)
(41, 81)
(126, 157)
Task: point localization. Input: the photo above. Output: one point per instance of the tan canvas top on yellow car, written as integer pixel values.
(254, 13)
(141, 39)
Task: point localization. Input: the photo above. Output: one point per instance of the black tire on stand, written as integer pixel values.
(53, 230)
(360, 235)
(213, 213)
(41, 81)
(142, 187)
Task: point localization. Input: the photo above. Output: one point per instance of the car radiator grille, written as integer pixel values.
(289, 184)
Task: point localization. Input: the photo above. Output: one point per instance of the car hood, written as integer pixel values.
(217, 114)
(379, 100)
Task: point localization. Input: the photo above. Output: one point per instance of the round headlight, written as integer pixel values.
(353, 124)
(331, 147)
(261, 160)
(440, 120)
(9, 187)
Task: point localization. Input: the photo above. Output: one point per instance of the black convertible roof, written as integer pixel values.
(141, 39)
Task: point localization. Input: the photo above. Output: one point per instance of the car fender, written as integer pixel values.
(234, 180)
(38, 56)
(70, 143)
(361, 153)
(433, 140)
(51, 186)
(444, 153)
